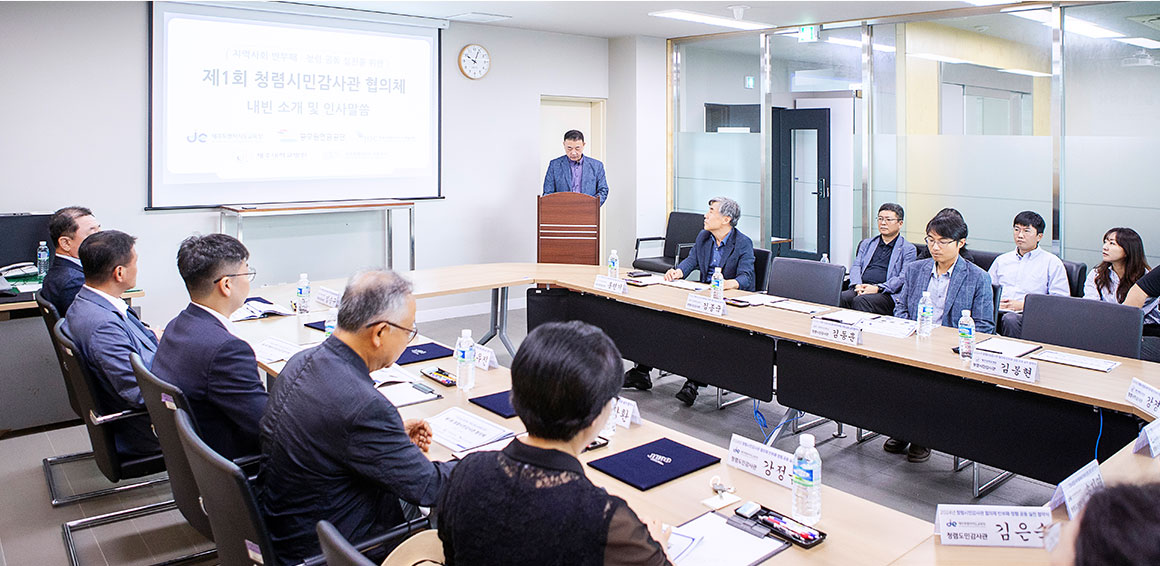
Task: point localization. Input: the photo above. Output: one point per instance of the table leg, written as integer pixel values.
(493, 326)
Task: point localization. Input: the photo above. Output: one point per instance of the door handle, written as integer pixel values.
(823, 190)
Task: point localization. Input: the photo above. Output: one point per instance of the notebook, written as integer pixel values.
(498, 403)
(422, 353)
(653, 464)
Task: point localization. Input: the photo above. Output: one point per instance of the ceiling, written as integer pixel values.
(611, 19)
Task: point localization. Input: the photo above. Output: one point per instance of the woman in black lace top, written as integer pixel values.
(531, 504)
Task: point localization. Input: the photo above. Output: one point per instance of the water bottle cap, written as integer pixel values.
(613, 252)
(806, 440)
(466, 333)
(926, 293)
(966, 312)
(302, 276)
(716, 270)
(43, 243)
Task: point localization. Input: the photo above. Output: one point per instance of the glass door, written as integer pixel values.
(801, 182)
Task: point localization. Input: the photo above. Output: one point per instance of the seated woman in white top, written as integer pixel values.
(1123, 264)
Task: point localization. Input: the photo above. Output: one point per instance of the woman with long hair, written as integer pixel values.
(1123, 264)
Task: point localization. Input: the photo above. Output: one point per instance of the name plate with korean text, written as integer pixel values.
(1149, 438)
(1008, 367)
(703, 304)
(992, 525)
(761, 460)
(485, 358)
(625, 413)
(835, 332)
(1078, 488)
(327, 296)
(1145, 397)
(611, 284)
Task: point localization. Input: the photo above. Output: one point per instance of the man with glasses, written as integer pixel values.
(335, 448)
(200, 354)
(1026, 270)
(876, 274)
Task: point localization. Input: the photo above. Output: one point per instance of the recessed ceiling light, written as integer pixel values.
(1070, 24)
(697, 17)
(1025, 72)
(1141, 42)
(858, 44)
(478, 17)
(939, 58)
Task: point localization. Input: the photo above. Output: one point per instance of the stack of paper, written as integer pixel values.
(460, 430)
(889, 326)
(1005, 347)
(850, 317)
(710, 540)
(273, 350)
(800, 307)
(1076, 360)
(758, 299)
(687, 285)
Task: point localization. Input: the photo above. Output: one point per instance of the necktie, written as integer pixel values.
(148, 334)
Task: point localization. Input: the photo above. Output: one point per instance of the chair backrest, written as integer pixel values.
(682, 228)
(238, 527)
(996, 291)
(806, 280)
(1076, 276)
(1085, 324)
(761, 259)
(51, 317)
(336, 549)
(422, 549)
(983, 259)
(81, 382)
(162, 399)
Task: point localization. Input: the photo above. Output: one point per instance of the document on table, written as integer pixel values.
(489, 447)
(460, 430)
(27, 287)
(846, 316)
(791, 305)
(889, 326)
(758, 299)
(407, 393)
(647, 279)
(273, 350)
(686, 284)
(1075, 360)
(1005, 347)
(257, 307)
(392, 374)
(714, 542)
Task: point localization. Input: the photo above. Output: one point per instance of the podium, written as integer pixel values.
(568, 228)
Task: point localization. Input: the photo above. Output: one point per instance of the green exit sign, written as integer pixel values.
(809, 34)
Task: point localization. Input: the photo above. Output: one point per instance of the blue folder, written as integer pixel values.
(422, 353)
(498, 403)
(652, 464)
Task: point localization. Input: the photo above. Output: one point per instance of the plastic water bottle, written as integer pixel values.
(465, 361)
(825, 258)
(303, 294)
(925, 315)
(807, 482)
(42, 259)
(331, 321)
(966, 336)
(717, 284)
(613, 265)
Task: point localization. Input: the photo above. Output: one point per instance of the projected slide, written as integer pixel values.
(268, 111)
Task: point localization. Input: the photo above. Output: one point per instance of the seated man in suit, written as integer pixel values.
(199, 353)
(335, 448)
(954, 284)
(1026, 270)
(574, 173)
(876, 274)
(720, 244)
(106, 331)
(67, 228)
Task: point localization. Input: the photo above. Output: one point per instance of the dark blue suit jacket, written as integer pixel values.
(737, 258)
(105, 339)
(558, 179)
(970, 288)
(61, 283)
(218, 374)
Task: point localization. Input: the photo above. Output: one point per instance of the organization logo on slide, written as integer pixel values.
(196, 137)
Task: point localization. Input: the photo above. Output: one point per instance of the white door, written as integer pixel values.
(559, 115)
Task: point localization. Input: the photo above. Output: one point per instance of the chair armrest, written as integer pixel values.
(681, 248)
(398, 533)
(99, 420)
(636, 248)
(249, 465)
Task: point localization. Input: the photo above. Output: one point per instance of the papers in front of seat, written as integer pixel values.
(646, 280)
(392, 374)
(1076, 360)
(407, 393)
(1005, 347)
(489, 447)
(257, 307)
(889, 326)
(27, 287)
(709, 540)
(807, 308)
(850, 317)
(460, 430)
(759, 299)
(273, 350)
(686, 285)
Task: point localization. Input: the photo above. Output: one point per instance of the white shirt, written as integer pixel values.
(1035, 272)
(1108, 295)
(226, 322)
(117, 303)
(70, 258)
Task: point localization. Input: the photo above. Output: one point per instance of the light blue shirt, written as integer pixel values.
(938, 287)
(1037, 272)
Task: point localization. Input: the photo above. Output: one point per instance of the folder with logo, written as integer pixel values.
(652, 464)
(422, 353)
(498, 403)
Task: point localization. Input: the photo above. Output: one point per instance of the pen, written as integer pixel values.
(776, 521)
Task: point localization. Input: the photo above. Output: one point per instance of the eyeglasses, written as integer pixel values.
(249, 276)
(886, 219)
(412, 332)
(944, 242)
(1026, 230)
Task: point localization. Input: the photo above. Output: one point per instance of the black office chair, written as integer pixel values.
(336, 549)
(1085, 324)
(112, 465)
(983, 258)
(761, 261)
(1076, 276)
(51, 316)
(680, 234)
(805, 280)
(996, 291)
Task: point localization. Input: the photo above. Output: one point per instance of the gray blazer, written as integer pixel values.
(903, 253)
(970, 288)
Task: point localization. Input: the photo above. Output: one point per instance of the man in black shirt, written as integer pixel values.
(876, 273)
(1146, 288)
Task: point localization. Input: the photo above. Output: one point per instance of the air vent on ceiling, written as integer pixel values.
(1150, 21)
(477, 17)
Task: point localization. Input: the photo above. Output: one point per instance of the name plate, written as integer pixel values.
(1145, 397)
(485, 358)
(1078, 488)
(1149, 438)
(625, 413)
(761, 460)
(835, 332)
(703, 304)
(611, 284)
(1009, 367)
(327, 296)
(992, 525)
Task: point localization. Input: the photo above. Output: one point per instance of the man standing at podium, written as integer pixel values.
(574, 173)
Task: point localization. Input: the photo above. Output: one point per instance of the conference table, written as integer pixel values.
(860, 532)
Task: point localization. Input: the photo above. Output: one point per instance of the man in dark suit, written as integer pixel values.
(574, 173)
(67, 228)
(106, 331)
(199, 353)
(719, 245)
(876, 273)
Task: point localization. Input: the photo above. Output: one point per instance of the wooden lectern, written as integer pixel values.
(569, 229)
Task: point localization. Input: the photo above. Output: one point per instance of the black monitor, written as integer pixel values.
(22, 234)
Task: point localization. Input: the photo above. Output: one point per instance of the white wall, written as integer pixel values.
(74, 130)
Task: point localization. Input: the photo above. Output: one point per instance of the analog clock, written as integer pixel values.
(474, 61)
